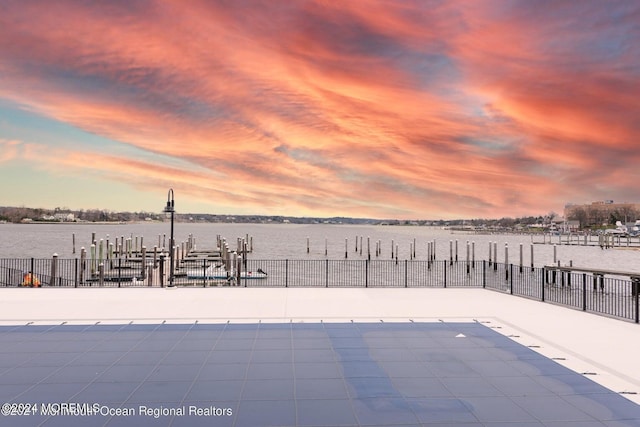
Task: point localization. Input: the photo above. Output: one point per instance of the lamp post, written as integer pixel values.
(170, 209)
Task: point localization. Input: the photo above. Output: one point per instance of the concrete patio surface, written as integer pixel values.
(606, 350)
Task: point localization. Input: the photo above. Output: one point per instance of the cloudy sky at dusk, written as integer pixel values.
(383, 109)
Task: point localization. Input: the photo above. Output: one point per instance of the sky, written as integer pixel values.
(367, 108)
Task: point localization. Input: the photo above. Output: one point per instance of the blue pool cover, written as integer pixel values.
(291, 374)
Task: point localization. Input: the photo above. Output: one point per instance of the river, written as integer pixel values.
(289, 241)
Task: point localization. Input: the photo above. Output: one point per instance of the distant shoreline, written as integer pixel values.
(83, 222)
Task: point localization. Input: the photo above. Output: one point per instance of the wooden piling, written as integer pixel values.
(346, 248)
(307, 245)
(244, 252)
(473, 254)
(490, 253)
(495, 255)
(93, 259)
(468, 266)
(143, 262)
(521, 258)
(456, 250)
(450, 252)
(73, 239)
(506, 260)
(532, 267)
(83, 264)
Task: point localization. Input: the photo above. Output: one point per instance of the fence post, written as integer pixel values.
(511, 278)
(584, 291)
(119, 272)
(326, 273)
(204, 273)
(445, 273)
(544, 278)
(406, 280)
(635, 293)
(54, 270)
(75, 273)
(101, 274)
(161, 272)
(286, 273)
(484, 274)
(366, 273)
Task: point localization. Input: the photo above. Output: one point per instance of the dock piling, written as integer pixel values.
(506, 260)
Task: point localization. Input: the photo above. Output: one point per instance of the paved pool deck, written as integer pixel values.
(604, 350)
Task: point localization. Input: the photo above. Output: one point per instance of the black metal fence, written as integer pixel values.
(362, 273)
(612, 295)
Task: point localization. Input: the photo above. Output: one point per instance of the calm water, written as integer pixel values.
(280, 241)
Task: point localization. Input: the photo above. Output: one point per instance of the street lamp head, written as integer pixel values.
(170, 203)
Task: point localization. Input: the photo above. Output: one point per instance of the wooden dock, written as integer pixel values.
(604, 241)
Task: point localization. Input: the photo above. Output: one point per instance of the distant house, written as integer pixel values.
(64, 217)
(571, 226)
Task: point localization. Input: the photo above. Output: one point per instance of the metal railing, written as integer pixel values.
(609, 293)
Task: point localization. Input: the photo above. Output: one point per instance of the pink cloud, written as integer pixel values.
(401, 108)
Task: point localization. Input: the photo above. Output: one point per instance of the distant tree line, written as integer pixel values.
(20, 214)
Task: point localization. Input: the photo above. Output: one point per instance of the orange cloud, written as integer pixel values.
(394, 109)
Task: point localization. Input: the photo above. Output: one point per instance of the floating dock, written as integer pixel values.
(603, 240)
